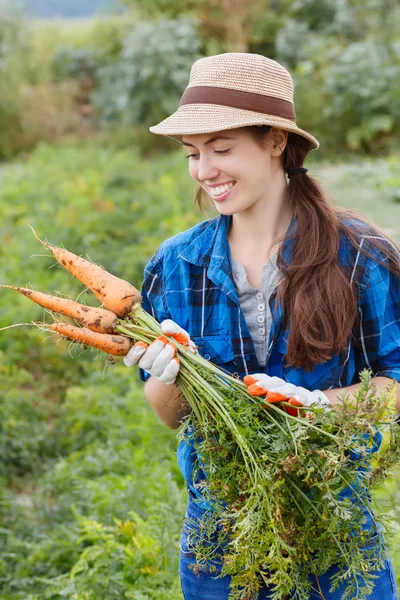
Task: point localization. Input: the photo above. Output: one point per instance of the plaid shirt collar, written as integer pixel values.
(211, 249)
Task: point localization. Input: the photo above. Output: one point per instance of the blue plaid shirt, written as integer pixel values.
(189, 280)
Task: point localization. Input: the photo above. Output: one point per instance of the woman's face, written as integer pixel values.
(233, 169)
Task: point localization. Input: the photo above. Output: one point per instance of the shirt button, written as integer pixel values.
(247, 357)
(260, 319)
(261, 307)
(207, 356)
(259, 296)
(261, 331)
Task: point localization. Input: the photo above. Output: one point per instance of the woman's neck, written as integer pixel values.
(256, 231)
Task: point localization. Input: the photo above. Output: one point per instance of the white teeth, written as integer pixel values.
(217, 191)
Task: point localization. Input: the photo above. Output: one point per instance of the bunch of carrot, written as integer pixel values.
(271, 477)
(118, 297)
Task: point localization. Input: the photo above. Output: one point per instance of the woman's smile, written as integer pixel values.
(220, 192)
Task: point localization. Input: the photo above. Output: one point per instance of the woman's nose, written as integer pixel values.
(206, 169)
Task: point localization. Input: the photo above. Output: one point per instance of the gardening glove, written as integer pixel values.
(160, 357)
(278, 390)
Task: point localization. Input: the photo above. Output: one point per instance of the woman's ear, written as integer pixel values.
(279, 140)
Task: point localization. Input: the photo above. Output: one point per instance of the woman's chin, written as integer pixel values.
(226, 210)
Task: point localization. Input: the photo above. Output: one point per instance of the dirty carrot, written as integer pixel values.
(112, 344)
(116, 294)
(96, 319)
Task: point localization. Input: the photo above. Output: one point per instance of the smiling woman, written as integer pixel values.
(291, 294)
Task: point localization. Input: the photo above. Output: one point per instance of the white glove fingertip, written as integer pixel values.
(146, 362)
(259, 384)
(171, 372)
(308, 398)
(286, 389)
(271, 383)
(302, 395)
(162, 360)
(135, 354)
(260, 376)
(168, 326)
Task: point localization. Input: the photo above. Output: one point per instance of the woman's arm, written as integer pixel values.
(381, 384)
(167, 401)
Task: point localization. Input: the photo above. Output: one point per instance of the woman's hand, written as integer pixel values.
(276, 390)
(160, 357)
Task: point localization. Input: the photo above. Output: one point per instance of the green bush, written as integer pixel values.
(104, 521)
(98, 38)
(346, 74)
(74, 63)
(362, 86)
(145, 84)
(82, 56)
(27, 438)
(347, 97)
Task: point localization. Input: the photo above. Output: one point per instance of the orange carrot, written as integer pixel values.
(112, 344)
(96, 319)
(117, 295)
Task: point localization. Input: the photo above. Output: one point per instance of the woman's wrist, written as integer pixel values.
(382, 383)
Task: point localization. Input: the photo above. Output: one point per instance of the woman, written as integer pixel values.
(281, 285)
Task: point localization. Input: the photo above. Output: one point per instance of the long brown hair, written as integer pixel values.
(318, 296)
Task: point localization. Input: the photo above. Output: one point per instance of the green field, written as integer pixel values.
(92, 500)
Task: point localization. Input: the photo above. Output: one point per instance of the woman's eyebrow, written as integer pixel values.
(212, 139)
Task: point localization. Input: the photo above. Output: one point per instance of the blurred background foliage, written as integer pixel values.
(91, 498)
(85, 77)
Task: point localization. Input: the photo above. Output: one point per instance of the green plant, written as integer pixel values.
(78, 63)
(105, 519)
(362, 87)
(14, 53)
(144, 85)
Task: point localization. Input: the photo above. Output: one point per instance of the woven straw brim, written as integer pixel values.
(193, 119)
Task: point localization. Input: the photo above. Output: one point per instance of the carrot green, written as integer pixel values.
(276, 482)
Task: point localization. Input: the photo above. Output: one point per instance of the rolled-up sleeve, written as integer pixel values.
(378, 339)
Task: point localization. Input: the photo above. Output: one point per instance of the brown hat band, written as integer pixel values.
(204, 94)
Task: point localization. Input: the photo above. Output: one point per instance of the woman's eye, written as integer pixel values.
(222, 152)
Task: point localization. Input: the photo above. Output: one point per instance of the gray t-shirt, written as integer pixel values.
(254, 303)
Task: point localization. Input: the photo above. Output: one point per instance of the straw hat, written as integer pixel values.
(232, 90)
